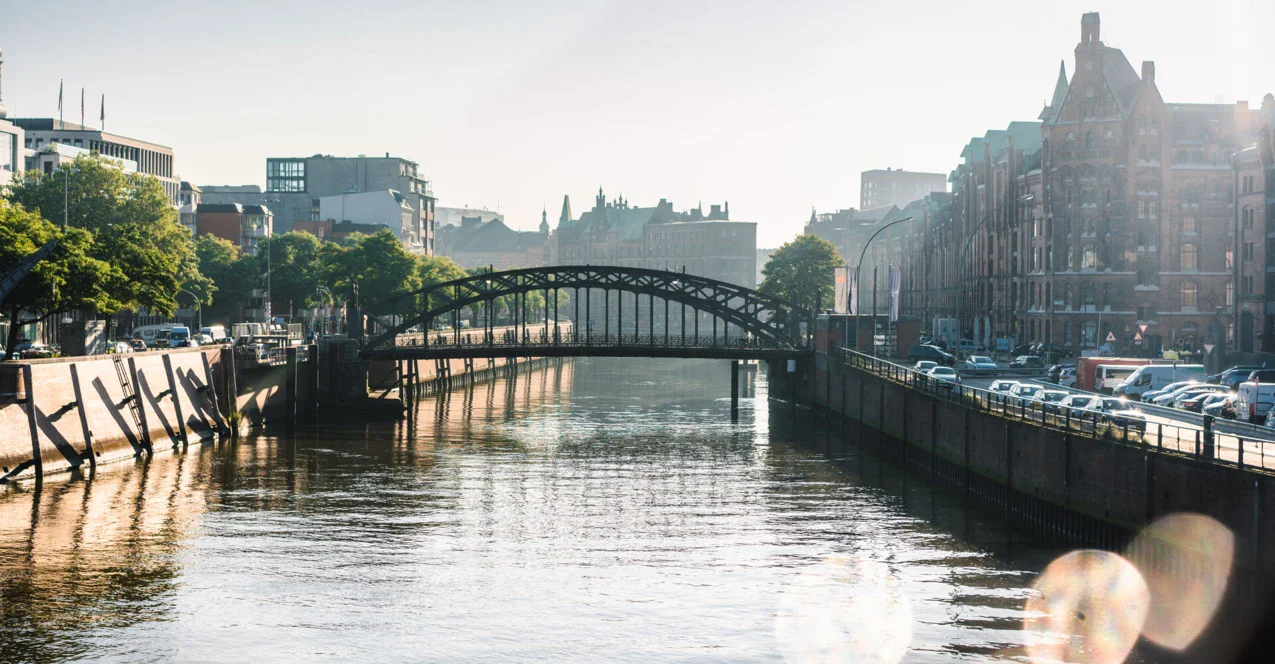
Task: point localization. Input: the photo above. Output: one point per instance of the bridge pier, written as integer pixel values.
(734, 389)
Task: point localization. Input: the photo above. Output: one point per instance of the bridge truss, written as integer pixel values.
(643, 312)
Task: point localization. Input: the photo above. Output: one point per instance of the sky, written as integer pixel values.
(775, 107)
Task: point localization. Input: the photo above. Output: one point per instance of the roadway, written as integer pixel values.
(1167, 427)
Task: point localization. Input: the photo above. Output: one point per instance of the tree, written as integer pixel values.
(801, 272)
(69, 278)
(293, 261)
(233, 275)
(133, 228)
(379, 264)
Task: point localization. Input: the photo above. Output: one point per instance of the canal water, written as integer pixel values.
(601, 510)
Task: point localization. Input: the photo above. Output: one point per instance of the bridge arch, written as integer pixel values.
(769, 320)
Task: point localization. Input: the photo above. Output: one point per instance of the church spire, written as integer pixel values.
(544, 219)
(565, 217)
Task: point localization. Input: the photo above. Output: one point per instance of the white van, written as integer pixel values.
(1155, 377)
(148, 333)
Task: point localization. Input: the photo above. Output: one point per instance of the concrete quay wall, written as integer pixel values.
(72, 402)
(1045, 475)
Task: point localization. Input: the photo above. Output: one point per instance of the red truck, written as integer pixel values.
(1087, 371)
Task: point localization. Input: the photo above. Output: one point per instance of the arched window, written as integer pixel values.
(1190, 256)
(1190, 294)
(1154, 123)
(1089, 139)
(1106, 295)
(1142, 122)
(1049, 294)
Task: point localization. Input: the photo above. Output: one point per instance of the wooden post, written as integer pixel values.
(145, 433)
(36, 458)
(312, 368)
(177, 403)
(231, 380)
(84, 420)
(212, 392)
(734, 389)
(290, 387)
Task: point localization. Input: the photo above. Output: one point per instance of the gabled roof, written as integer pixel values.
(1121, 78)
(493, 237)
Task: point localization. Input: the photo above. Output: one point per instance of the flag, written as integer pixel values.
(854, 293)
(896, 279)
(81, 107)
(103, 116)
(840, 287)
(59, 100)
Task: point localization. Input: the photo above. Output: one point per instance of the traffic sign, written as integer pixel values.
(1142, 327)
(1182, 342)
(1208, 348)
(1137, 337)
(1111, 336)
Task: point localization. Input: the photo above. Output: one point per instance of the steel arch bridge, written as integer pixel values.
(697, 317)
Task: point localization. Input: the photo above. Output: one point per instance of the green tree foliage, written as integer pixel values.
(133, 228)
(295, 270)
(233, 275)
(801, 272)
(380, 265)
(70, 278)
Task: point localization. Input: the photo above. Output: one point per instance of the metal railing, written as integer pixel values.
(1220, 441)
(538, 338)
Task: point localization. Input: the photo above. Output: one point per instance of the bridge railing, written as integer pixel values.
(532, 338)
(1243, 447)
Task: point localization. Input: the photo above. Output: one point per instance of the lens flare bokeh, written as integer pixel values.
(1186, 560)
(844, 610)
(1089, 608)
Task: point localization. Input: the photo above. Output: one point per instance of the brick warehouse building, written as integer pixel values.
(1132, 218)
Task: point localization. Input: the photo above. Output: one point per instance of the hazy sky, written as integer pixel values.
(772, 106)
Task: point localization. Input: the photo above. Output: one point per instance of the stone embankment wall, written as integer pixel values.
(79, 412)
(1088, 489)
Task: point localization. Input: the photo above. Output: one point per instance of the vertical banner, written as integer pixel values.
(854, 293)
(896, 279)
(841, 288)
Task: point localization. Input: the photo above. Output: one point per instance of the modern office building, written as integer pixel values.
(387, 207)
(150, 158)
(295, 185)
(11, 139)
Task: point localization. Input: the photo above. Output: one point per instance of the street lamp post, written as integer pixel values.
(199, 308)
(66, 194)
(857, 290)
(960, 265)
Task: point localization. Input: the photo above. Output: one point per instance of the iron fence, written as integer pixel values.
(1225, 442)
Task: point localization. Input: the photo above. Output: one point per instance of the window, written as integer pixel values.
(285, 175)
(1247, 285)
(1189, 257)
(1106, 295)
(1190, 225)
(1248, 251)
(1089, 258)
(1068, 332)
(1247, 217)
(1086, 295)
(1190, 294)
(1089, 139)
(1088, 333)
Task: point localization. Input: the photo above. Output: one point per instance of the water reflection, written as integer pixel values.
(606, 510)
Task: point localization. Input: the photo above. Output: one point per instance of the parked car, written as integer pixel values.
(1050, 399)
(1223, 408)
(226, 341)
(1233, 376)
(931, 353)
(1022, 349)
(1027, 362)
(1052, 350)
(944, 376)
(138, 344)
(969, 346)
(979, 362)
(1166, 399)
(1001, 386)
(120, 347)
(39, 351)
(1075, 403)
(1067, 377)
(1193, 392)
(1151, 395)
(925, 365)
(1197, 403)
(1120, 413)
(1023, 391)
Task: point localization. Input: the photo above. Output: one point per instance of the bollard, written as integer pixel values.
(1208, 436)
(1241, 440)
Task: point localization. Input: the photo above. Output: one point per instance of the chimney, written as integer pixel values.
(1148, 72)
(387, 155)
(715, 212)
(1242, 106)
